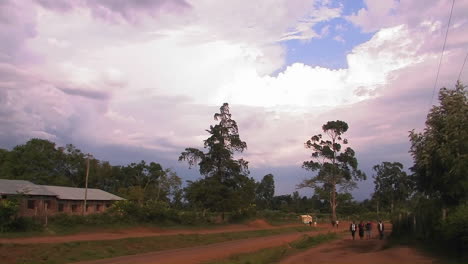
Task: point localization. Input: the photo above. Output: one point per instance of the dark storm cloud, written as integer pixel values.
(91, 94)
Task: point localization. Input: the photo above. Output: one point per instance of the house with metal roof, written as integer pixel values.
(40, 200)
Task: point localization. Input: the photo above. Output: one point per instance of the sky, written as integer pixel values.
(132, 80)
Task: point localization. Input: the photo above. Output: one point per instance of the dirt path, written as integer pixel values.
(358, 251)
(141, 232)
(200, 254)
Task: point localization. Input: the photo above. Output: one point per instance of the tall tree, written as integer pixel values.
(226, 185)
(336, 167)
(265, 192)
(392, 184)
(38, 161)
(440, 153)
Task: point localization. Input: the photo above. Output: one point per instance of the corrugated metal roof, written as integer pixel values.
(24, 187)
(70, 193)
(64, 193)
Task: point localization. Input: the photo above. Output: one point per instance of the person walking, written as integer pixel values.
(368, 230)
(361, 230)
(353, 228)
(381, 228)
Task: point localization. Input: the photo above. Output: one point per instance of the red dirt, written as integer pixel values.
(340, 251)
(140, 232)
(201, 254)
(347, 251)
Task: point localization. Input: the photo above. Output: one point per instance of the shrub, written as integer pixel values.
(8, 211)
(455, 230)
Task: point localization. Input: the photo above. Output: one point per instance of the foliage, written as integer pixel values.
(336, 167)
(392, 185)
(42, 162)
(455, 231)
(440, 153)
(226, 186)
(265, 192)
(8, 211)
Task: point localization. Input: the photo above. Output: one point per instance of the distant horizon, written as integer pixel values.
(142, 80)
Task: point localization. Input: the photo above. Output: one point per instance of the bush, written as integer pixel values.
(455, 230)
(8, 211)
(25, 224)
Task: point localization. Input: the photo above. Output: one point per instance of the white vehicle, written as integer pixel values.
(306, 219)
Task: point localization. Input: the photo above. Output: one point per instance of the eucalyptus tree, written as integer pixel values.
(440, 152)
(265, 191)
(392, 184)
(226, 185)
(336, 167)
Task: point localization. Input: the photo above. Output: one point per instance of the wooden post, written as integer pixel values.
(46, 219)
(86, 186)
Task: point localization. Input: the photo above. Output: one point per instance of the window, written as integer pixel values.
(98, 207)
(47, 204)
(74, 208)
(87, 207)
(31, 204)
(60, 207)
(108, 205)
(4, 196)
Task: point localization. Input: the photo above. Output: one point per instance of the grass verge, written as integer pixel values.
(90, 250)
(275, 254)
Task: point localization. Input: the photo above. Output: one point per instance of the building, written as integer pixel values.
(42, 200)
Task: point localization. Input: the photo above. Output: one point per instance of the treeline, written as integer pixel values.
(42, 162)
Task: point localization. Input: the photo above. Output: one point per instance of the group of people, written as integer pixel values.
(366, 229)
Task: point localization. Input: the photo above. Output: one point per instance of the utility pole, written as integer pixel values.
(86, 185)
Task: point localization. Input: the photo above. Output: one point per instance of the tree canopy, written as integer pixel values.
(336, 167)
(440, 152)
(392, 184)
(226, 185)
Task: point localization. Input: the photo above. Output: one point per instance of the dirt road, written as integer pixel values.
(206, 253)
(347, 251)
(141, 232)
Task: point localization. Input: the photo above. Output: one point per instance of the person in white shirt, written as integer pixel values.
(380, 228)
(353, 228)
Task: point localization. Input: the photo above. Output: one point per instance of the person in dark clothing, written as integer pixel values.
(353, 228)
(380, 228)
(361, 230)
(368, 230)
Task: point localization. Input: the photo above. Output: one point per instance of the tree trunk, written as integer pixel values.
(391, 207)
(377, 206)
(333, 202)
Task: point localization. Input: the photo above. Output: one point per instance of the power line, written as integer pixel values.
(463, 66)
(442, 54)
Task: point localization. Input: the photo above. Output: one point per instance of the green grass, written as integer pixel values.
(275, 254)
(89, 250)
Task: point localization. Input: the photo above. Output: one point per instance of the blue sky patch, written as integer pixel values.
(338, 38)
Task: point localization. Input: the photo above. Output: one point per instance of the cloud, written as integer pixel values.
(17, 25)
(151, 84)
(119, 10)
